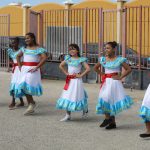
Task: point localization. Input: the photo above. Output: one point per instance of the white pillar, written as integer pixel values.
(25, 19)
(120, 5)
(68, 5)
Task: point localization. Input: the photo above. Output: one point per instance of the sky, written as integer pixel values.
(34, 2)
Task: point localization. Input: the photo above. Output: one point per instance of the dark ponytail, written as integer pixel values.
(112, 44)
(16, 39)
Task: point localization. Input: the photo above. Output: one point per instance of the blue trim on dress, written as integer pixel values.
(106, 108)
(68, 105)
(12, 54)
(12, 88)
(145, 113)
(112, 64)
(25, 88)
(37, 51)
(74, 62)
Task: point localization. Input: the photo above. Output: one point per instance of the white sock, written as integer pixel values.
(66, 118)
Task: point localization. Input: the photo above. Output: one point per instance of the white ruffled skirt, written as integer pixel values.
(145, 108)
(28, 83)
(112, 98)
(73, 99)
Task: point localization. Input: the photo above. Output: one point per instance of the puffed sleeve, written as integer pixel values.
(10, 52)
(102, 60)
(67, 58)
(83, 59)
(122, 60)
(41, 50)
(22, 49)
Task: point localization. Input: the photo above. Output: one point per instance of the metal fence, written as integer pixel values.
(4, 41)
(63, 27)
(91, 28)
(138, 36)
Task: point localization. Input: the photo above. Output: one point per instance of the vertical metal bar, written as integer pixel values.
(41, 27)
(92, 25)
(140, 37)
(110, 22)
(63, 26)
(71, 21)
(52, 34)
(46, 28)
(75, 25)
(55, 27)
(112, 27)
(68, 23)
(148, 52)
(95, 39)
(50, 40)
(132, 28)
(59, 24)
(136, 28)
(124, 31)
(86, 27)
(78, 28)
(83, 31)
(3, 42)
(8, 34)
(72, 27)
(100, 30)
(105, 26)
(144, 34)
(129, 27)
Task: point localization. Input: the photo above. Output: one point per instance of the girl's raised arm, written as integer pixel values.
(61, 66)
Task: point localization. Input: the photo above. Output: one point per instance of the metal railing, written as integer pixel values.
(91, 28)
(4, 41)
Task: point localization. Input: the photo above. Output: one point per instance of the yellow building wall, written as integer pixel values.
(76, 17)
(47, 6)
(16, 20)
(138, 3)
(105, 4)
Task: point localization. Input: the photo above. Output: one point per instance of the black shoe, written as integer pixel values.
(85, 111)
(144, 135)
(105, 122)
(111, 126)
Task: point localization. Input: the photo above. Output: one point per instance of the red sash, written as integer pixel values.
(30, 63)
(14, 67)
(68, 78)
(105, 76)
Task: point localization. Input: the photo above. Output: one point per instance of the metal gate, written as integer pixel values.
(92, 28)
(4, 41)
(33, 23)
(36, 25)
(134, 41)
(80, 26)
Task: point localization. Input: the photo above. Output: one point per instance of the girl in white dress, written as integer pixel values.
(145, 112)
(112, 97)
(74, 97)
(13, 52)
(29, 83)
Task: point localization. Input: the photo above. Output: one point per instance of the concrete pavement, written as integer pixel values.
(43, 131)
